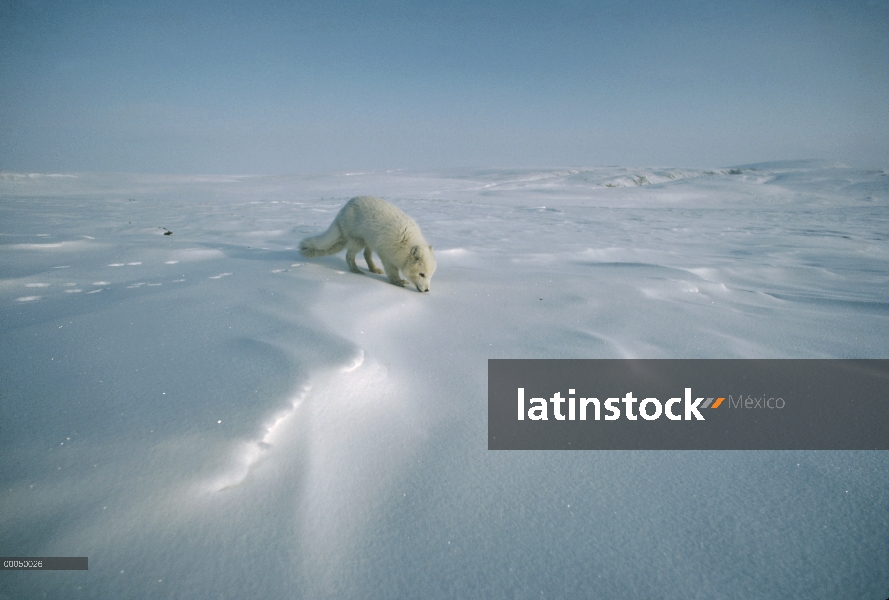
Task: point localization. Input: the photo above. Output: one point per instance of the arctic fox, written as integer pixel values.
(377, 226)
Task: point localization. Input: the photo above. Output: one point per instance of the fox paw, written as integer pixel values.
(378, 271)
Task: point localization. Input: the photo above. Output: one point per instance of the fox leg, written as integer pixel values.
(392, 273)
(352, 248)
(368, 257)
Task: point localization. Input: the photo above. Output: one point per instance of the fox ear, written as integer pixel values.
(415, 253)
(430, 248)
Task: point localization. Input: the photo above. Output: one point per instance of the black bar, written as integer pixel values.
(44, 563)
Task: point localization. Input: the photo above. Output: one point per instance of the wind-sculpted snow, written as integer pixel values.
(205, 413)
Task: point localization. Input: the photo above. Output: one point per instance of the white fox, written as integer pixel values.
(377, 226)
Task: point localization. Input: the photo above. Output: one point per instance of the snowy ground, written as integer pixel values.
(207, 414)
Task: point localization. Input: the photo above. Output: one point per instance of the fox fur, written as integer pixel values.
(377, 226)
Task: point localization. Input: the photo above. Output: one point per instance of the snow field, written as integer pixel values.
(209, 414)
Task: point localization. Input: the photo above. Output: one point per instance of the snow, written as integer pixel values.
(207, 414)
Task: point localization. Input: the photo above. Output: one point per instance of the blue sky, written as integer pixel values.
(298, 87)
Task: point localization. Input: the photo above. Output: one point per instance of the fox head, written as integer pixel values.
(420, 267)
